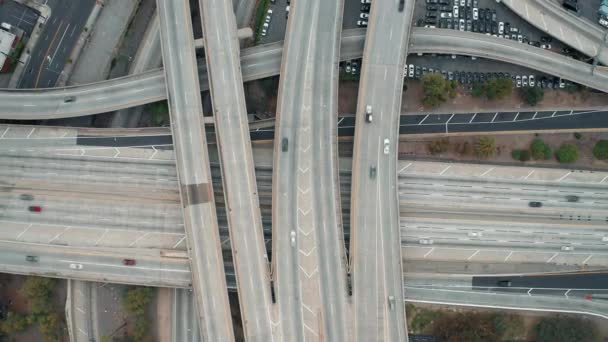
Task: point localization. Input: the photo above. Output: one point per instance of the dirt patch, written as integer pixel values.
(261, 97)
(529, 318)
(460, 149)
(464, 102)
(347, 97)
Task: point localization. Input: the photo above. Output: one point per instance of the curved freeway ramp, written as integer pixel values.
(265, 61)
(578, 32)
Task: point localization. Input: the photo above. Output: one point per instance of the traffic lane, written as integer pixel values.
(568, 281)
(580, 121)
(57, 40)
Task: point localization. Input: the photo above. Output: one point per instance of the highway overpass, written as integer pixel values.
(375, 259)
(265, 61)
(308, 249)
(238, 175)
(194, 175)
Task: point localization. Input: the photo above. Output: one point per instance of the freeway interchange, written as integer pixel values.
(191, 225)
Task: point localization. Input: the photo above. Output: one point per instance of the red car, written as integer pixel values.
(128, 262)
(35, 208)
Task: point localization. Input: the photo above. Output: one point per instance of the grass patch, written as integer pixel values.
(344, 76)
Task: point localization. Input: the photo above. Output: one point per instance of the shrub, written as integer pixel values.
(600, 151)
(496, 89)
(567, 153)
(577, 135)
(439, 145)
(136, 299)
(532, 95)
(540, 150)
(516, 154)
(485, 147)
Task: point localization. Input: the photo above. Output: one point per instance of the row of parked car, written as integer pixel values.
(364, 15)
(351, 67)
(468, 77)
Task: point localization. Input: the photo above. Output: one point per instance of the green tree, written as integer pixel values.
(49, 323)
(600, 151)
(540, 150)
(436, 89)
(39, 291)
(521, 155)
(508, 326)
(567, 153)
(532, 95)
(136, 299)
(564, 329)
(439, 145)
(140, 328)
(496, 89)
(14, 323)
(485, 147)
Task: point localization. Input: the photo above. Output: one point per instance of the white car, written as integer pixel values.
(603, 22)
(562, 84)
(501, 27)
(362, 23)
(348, 67)
(293, 238)
(455, 14)
(474, 234)
(463, 2)
(411, 71)
(546, 46)
(475, 13)
(366, 1)
(368, 113)
(386, 145)
(426, 241)
(524, 80)
(520, 38)
(76, 266)
(264, 32)
(518, 81)
(531, 80)
(604, 238)
(267, 20)
(446, 14)
(269, 12)
(461, 25)
(567, 248)
(364, 15)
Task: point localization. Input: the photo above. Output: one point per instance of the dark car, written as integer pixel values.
(128, 262)
(69, 99)
(535, 204)
(401, 4)
(372, 172)
(35, 208)
(285, 145)
(546, 39)
(431, 7)
(572, 198)
(31, 258)
(504, 283)
(365, 7)
(26, 197)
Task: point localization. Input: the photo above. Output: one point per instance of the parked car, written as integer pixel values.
(365, 7)
(362, 23)
(363, 15)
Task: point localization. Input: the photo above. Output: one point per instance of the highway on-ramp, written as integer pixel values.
(196, 189)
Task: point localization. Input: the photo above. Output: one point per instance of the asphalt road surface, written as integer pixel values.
(57, 40)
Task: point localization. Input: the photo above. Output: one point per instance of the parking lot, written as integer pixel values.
(18, 15)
